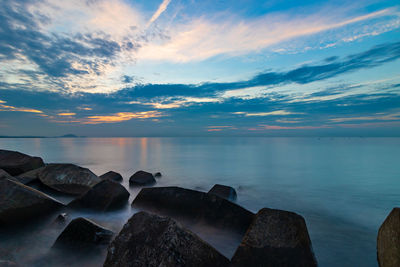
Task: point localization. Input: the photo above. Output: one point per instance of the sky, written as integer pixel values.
(200, 68)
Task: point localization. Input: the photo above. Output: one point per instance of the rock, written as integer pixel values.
(151, 240)
(194, 205)
(6, 175)
(103, 196)
(157, 174)
(388, 242)
(7, 263)
(30, 176)
(223, 191)
(275, 238)
(111, 175)
(68, 178)
(19, 202)
(62, 217)
(142, 178)
(82, 233)
(16, 163)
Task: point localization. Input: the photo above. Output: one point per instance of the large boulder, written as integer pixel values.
(111, 175)
(68, 178)
(30, 176)
(103, 196)
(141, 178)
(223, 191)
(151, 240)
(82, 233)
(19, 202)
(6, 175)
(195, 205)
(275, 238)
(388, 242)
(16, 163)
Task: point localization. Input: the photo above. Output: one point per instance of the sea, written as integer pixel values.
(343, 187)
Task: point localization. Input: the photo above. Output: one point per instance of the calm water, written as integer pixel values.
(344, 187)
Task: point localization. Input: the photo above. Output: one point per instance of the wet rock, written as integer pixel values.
(388, 242)
(111, 175)
(68, 178)
(103, 196)
(30, 176)
(194, 205)
(6, 175)
(82, 233)
(151, 240)
(19, 202)
(16, 163)
(142, 178)
(223, 191)
(157, 174)
(275, 238)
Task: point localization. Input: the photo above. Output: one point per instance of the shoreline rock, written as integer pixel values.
(141, 178)
(15, 163)
(275, 238)
(150, 240)
(105, 195)
(112, 175)
(223, 191)
(194, 205)
(19, 202)
(68, 178)
(388, 240)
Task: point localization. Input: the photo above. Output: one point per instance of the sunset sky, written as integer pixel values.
(200, 68)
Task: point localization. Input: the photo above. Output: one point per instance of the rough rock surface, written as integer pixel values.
(194, 205)
(19, 202)
(16, 163)
(68, 178)
(151, 240)
(103, 196)
(275, 238)
(388, 242)
(111, 175)
(142, 178)
(6, 175)
(223, 191)
(82, 233)
(30, 176)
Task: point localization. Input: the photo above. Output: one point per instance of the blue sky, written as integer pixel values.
(200, 68)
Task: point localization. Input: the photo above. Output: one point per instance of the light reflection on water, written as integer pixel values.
(344, 187)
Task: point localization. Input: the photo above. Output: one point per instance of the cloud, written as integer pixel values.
(163, 6)
(202, 38)
(122, 116)
(66, 114)
(19, 109)
(263, 114)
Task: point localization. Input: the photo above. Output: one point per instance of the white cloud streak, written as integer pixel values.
(161, 8)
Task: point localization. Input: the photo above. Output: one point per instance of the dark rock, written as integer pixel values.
(111, 175)
(157, 174)
(19, 202)
(142, 178)
(82, 233)
(388, 242)
(6, 175)
(223, 191)
(275, 238)
(30, 176)
(103, 196)
(68, 178)
(194, 205)
(62, 217)
(151, 240)
(16, 163)
(7, 263)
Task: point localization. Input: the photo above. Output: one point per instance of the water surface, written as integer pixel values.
(344, 187)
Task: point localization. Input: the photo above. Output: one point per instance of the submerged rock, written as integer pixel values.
(194, 205)
(30, 176)
(151, 240)
(82, 233)
(275, 238)
(223, 191)
(103, 196)
(68, 178)
(19, 202)
(16, 163)
(142, 178)
(111, 175)
(388, 242)
(157, 174)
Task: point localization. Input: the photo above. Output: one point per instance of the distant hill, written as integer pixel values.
(69, 135)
